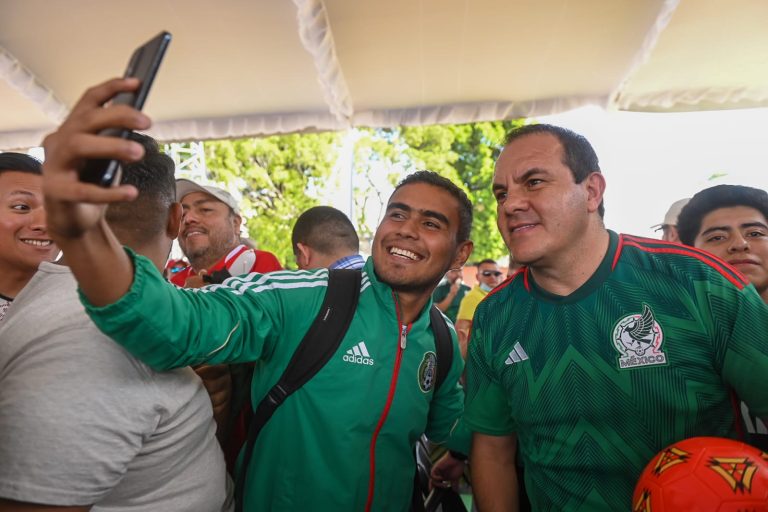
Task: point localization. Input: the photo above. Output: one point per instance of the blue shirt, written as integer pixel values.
(353, 261)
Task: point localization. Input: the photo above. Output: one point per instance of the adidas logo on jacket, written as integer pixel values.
(359, 355)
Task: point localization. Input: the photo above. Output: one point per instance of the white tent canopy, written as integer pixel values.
(239, 67)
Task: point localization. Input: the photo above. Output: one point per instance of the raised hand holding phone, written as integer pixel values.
(75, 210)
(73, 207)
(142, 65)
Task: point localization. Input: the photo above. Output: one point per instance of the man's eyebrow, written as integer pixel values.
(200, 201)
(21, 193)
(715, 228)
(427, 213)
(530, 173)
(436, 215)
(525, 176)
(399, 206)
(756, 224)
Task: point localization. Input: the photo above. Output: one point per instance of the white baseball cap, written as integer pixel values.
(184, 187)
(670, 219)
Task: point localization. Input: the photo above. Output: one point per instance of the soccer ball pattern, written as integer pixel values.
(704, 474)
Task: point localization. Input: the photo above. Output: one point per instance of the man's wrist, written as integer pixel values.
(458, 455)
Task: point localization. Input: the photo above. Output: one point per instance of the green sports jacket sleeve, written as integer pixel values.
(170, 327)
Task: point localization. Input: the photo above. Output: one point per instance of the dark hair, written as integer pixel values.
(486, 260)
(326, 230)
(153, 176)
(19, 162)
(578, 154)
(465, 205)
(713, 198)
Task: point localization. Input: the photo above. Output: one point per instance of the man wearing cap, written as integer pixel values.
(669, 226)
(210, 237)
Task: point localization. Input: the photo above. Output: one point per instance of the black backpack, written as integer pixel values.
(317, 347)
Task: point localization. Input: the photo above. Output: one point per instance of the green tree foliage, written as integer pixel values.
(279, 177)
(374, 154)
(464, 153)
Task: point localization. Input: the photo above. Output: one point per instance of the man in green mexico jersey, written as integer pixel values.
(344, 441)
(604, 348)
(731, 222)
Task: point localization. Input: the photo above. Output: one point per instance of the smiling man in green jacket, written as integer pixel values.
(343, 441)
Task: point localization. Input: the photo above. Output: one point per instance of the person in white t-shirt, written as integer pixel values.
(83, 424)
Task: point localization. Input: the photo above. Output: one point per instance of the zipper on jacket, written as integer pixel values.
(403, 330)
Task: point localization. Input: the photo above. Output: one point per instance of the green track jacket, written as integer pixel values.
(345, 440)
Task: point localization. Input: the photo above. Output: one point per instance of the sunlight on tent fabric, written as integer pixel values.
(650, 159)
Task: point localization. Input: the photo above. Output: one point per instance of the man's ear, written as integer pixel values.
(237, 220)
(463, 252)
(174, 221)
(595, 187)
(303, 256)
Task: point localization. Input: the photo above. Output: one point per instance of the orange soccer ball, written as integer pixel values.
(704, 474)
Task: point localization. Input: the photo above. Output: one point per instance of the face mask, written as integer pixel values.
(485, 287)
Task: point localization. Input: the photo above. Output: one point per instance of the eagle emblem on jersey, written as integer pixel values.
(637, 338)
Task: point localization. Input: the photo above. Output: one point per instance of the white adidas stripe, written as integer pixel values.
(520, 352)
(239, 286)
(517, 355)
(359, 350)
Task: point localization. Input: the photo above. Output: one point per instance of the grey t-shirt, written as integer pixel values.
(83, 422)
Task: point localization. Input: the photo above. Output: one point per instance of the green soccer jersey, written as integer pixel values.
(441, 292)
(647, 352)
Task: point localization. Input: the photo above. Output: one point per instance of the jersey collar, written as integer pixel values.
(594, 282)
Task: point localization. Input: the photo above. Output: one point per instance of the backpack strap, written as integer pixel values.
(443, 345)
(424, 499)
(316, 348)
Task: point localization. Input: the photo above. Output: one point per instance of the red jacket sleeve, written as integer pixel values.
(265, 262)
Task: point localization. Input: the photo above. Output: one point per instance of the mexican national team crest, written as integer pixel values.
(427, 371)
(637, 338)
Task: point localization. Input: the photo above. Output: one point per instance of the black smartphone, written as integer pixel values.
(143, 65)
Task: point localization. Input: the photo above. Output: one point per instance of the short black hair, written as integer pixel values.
(465, 205)
(488, 261)
(713, 198)
(153, 176)
(578, 154)
(326, 230)
(20, 162)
